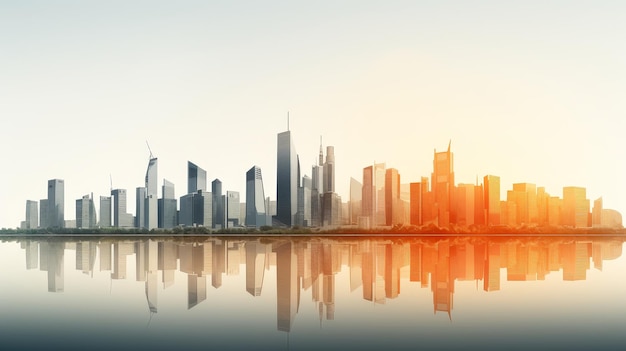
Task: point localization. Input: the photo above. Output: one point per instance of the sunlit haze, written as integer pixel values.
(528, 91)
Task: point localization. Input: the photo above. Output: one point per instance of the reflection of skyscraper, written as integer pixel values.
(56, 203)
(286, 285)
(54, 252)
(255, 267)
(196, 178)
(286, 179)
(256, 213)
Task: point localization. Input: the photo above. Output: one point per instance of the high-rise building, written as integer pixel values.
(85, 212)
(151, 207)
(575, 207)
(140, 207)
(105, 211)
(317, 189)
(232, 209)
(525, 197)
(356, 196)
(256, 212)
(121, 218)
(218, 213)
(443, 186)
(286, 180)
(465, 204)
(492, 199)
(303, 215)
(168, 206)
(32, 214)
(56, 203)
(379, 194)
(393, 211)
(368, 198)
(417, 197)
(329, 170)
(196, 178)
(43, 213)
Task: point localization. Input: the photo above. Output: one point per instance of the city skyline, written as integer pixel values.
(527, 92)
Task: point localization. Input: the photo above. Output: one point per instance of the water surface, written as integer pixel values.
(313, 292)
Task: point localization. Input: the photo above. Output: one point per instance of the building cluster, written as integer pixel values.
(300, 200)
(376, 267)
(381, 199)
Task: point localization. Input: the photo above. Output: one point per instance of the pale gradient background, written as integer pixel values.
(529, 91)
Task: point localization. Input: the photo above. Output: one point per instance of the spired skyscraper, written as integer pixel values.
(151, 208)
(256, 213)
(286, 179)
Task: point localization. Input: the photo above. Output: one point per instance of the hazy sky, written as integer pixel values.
(530, 91)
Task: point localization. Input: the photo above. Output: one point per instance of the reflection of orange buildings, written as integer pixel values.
(575, 207)
(376, 266)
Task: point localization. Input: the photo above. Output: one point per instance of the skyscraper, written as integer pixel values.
(492, 199)
(56, 203)
(393, 211)
(368, 198)
(120, 217)
(140, 207)
(151, 219)
(43, 213)
(85, 212)
(575, 207)
(196, 178)
(443, 186)
(256, 213)
(168, 206)
(286, 179)
(356, 195)
(232, 209)
(329, 170)
(218, 213)
(105, 211)
(31, 214)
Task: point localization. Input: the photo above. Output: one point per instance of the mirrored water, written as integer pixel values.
(313, 292)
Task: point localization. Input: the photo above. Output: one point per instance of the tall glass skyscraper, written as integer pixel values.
(196, 178)
(167, 206)
(218, 213)
(56, 203)
(286, 179)
(151, 195)
(256, 213)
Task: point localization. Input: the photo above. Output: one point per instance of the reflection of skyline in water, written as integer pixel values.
(380, 268)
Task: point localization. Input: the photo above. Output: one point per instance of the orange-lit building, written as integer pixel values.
(575, 207)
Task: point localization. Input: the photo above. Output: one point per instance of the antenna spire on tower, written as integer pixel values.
(151, 156)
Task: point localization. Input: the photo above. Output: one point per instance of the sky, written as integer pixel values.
(529, 91)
